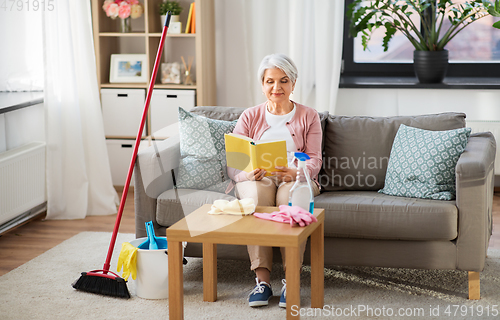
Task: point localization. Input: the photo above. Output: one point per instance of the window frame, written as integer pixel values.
(364, 69)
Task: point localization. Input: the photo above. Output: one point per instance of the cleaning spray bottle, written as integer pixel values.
(301, 194)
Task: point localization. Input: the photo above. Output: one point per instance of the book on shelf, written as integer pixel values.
(246, 154)
(193, 19)
(189, 23)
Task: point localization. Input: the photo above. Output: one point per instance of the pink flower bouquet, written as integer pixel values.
(123, 8)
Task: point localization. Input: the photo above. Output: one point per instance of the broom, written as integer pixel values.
(104, 281)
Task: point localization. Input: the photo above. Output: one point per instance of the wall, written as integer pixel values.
(476, 104)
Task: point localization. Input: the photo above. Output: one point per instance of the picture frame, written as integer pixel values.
(128, 68)
(171, 72)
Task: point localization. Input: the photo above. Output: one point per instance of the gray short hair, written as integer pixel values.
(280, 61)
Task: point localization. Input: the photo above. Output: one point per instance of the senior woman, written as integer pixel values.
(299, 126)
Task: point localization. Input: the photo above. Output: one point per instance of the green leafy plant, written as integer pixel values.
(173, 6)
(395, 15)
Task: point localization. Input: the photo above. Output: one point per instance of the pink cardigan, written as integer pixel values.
(304, 127)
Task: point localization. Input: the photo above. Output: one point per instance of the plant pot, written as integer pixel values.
(172, 19)
(430, 66)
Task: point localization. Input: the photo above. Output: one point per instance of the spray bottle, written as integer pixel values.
(301, 194)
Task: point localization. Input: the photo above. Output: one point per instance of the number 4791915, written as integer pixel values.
(27, 5)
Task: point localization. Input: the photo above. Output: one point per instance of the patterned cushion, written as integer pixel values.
(203, 155)
(422, 163)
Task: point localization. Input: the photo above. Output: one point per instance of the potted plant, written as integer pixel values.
(430, 56)
(175, 10)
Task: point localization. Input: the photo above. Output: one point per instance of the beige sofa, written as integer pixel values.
(362, 227)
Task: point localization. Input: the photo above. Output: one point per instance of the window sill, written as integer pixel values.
(412, 83)
(10, 101)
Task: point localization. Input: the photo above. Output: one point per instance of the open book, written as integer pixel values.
(243, 153)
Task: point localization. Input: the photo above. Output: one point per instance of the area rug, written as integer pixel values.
(41, 289)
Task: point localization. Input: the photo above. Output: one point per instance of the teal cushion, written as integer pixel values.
(422, 163)
(203, 155)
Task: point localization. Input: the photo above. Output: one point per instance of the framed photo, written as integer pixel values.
(131, 68)
(171, 72)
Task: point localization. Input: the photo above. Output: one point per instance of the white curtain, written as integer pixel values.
(78, 173)
(308, 31)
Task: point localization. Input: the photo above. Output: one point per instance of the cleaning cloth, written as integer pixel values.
(236, 207)
(128, 259)
(294, 215)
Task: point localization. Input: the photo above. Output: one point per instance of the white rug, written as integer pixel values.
(41, 289)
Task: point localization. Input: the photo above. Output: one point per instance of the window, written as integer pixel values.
(474, 52)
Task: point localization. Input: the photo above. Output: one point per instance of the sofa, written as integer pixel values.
(363, 227)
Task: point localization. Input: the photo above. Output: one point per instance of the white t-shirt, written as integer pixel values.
(279, 131)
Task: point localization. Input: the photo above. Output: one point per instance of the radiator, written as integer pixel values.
(22, 180)
(494, 128)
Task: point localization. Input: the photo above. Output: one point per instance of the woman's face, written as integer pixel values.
(277, 86)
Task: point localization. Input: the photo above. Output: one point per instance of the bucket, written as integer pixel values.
(152, 272)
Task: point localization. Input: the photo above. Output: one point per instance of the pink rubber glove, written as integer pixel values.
(299, 215)
(289, 214)
(275, 216)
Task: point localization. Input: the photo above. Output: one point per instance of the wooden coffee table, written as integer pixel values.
(210, 230)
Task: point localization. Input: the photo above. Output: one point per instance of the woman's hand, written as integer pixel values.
(256, 175)
(285, 174)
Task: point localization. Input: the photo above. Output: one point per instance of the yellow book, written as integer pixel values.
(243, 153)
(190, 14)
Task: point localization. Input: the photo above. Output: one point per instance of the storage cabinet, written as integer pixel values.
(121, 114)
(145, 38)
(120, 153)
(121, 111)
(165, 108)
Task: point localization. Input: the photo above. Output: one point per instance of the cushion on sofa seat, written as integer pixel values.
(422, 163)
(357, 149)
(203, 155)
(174, 204)
(372, 215)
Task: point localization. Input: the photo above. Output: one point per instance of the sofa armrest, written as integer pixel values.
(153, 176)
(475, 183)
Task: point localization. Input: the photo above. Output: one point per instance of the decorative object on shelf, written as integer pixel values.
(125, 10)
(187, 73)
(125, 25)
(128, 68)
(175, 27)
(440, 22)
(175, 9)
(171, 72)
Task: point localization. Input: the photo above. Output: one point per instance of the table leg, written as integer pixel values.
(317, 267)
(175, 281)
(209, 272)
(292, 282)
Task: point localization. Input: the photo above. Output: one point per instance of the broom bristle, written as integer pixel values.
(116, 287)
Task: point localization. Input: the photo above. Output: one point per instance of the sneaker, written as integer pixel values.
(283, 294)
(260, 295)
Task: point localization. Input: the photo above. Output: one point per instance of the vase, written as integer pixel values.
(125, 25)
(430, 66)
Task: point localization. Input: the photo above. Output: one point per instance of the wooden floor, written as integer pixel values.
(31, 240)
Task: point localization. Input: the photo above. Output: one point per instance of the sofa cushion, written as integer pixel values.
(422, 163)
(203, 157)
(174, 204)
(357, 149)
(373, 215)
